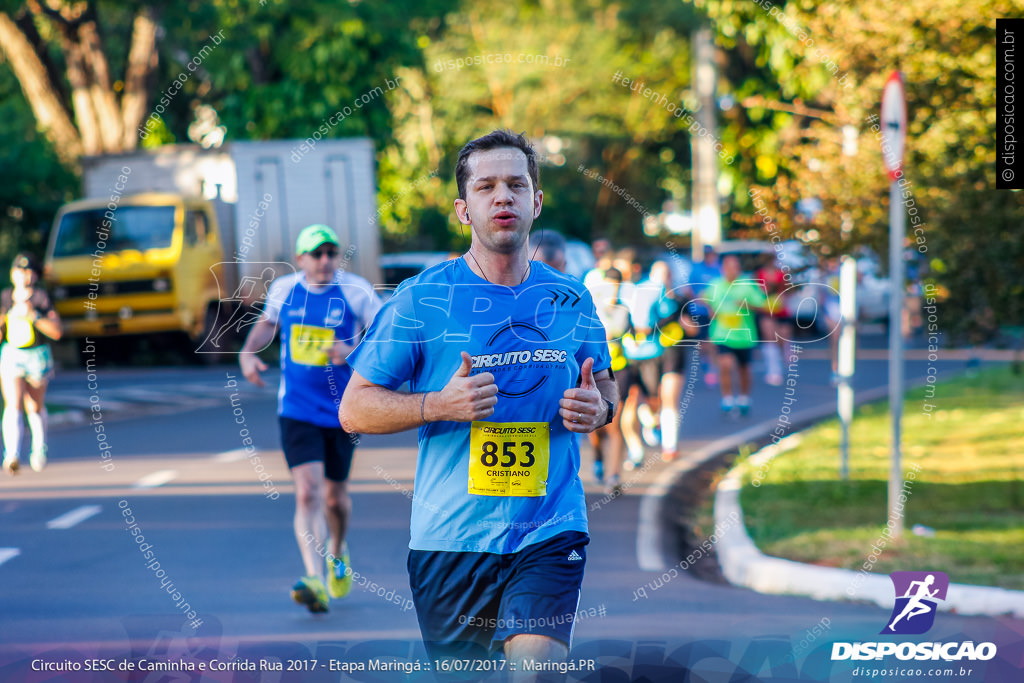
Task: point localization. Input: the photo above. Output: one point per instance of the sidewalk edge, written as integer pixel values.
(651, 542)
(743, 564)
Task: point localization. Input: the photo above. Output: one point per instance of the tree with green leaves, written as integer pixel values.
(829, 62)
(549, 69)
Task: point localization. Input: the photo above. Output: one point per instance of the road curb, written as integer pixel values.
(744, 565)
(651, 535)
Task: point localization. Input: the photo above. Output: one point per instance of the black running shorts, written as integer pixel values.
(743, 356)
(468, 604)
(646, 374)
(306, 442)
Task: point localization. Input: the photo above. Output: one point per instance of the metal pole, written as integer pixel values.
(897, 228)
(707, 217)
(847, 346)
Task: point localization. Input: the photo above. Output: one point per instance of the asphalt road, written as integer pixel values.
(75, 584)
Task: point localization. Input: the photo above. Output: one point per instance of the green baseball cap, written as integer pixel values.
(313, 236)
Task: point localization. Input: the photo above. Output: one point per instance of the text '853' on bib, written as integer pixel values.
(509, 458)
(308, 344)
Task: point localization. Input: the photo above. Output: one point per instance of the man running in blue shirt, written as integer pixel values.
(506, 361)
(703, 274)
(321, 311)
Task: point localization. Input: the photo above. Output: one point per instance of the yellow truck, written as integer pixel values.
(186, 240)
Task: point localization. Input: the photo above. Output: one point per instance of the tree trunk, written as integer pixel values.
(81, 96)
(42, 93)
(142, 63)
(101, 124)
(101, 92)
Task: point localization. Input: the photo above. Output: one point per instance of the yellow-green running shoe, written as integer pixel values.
(339, 575)
(310, 591)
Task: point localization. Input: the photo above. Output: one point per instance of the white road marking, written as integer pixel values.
(70, 519)
(155, 479)
(77, 400)
(8, 553)
(230, 456)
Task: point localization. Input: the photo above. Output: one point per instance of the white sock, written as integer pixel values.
(643, 411)
(634, 445)
(669, 429)
(12, 432)
(743, 400)
(772, 358)
(37, 425)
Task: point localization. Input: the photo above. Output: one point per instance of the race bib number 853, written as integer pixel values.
(509, 458)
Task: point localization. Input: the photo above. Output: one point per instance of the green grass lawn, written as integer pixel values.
(969, 489)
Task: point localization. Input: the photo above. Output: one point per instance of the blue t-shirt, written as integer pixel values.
(310, 321)
(702, 275)
(533, 339)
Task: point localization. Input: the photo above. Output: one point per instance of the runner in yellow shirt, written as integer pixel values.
(27, 318)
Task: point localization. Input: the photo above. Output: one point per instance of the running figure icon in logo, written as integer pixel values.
(917, 594)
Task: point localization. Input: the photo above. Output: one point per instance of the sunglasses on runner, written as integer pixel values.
(320, 253)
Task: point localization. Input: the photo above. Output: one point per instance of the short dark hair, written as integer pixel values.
(494, 140)
(27, 261)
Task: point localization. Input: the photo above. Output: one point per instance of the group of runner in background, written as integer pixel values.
(653, 321)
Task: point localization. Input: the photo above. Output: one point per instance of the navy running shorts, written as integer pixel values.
(743, 356)
(306, 442)
(468, 604)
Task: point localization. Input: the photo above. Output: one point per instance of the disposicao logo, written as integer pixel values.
(917, 598)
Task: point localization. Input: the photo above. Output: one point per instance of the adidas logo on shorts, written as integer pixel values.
(574, 556)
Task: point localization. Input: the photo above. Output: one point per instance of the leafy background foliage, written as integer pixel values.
(792, 76)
